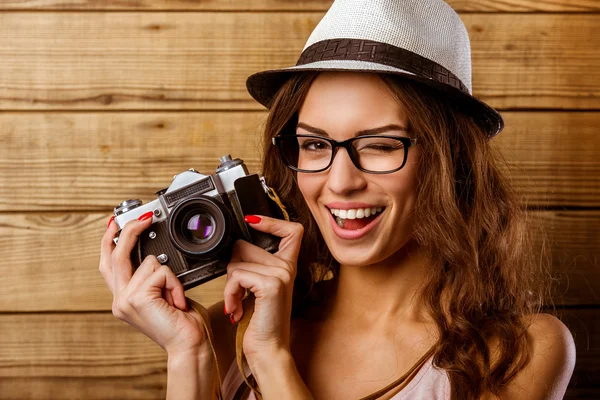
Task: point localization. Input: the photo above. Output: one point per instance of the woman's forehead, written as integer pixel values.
(354, 99)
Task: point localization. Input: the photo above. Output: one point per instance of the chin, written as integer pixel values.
(371, 253)
(355, 254)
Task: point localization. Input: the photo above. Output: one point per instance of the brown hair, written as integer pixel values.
(484, 279)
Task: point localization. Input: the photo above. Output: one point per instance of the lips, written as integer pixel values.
(364, 227)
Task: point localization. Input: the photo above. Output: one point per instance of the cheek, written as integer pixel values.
(303, 186)
(310, 186)
(307, 183)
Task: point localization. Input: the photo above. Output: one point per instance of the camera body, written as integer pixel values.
(198, 218)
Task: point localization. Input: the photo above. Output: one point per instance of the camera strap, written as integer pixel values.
(248, 305)
(209, 334)
(242, 325)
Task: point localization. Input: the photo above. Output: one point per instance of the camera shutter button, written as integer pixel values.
(162, 258)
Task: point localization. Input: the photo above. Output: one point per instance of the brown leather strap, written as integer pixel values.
(248, 305)
(242, 325)
(209, 334)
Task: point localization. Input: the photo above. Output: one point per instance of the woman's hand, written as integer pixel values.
(271, 278)
(151, 299)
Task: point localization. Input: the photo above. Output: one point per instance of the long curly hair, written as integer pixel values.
(484, 279)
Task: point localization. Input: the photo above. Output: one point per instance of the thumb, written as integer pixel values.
(164, 278)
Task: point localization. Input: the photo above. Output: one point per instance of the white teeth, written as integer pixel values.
(356, 213)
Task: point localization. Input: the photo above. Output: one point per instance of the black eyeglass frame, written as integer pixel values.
(407, 142)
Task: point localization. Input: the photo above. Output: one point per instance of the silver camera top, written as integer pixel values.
(185, 184)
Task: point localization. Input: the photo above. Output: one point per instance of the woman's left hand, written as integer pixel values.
(271, 278)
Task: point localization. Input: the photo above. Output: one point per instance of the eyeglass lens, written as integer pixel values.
(377, 154)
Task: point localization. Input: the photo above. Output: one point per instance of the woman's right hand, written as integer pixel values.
(151, 299)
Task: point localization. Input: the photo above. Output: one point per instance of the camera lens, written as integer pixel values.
(200, 227)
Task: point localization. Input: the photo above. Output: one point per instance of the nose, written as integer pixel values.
(343, 176)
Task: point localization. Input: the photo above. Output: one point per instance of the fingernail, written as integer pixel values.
(110, 221)
(145, 216)
(231, 318)
(225, 309)
(252, 219)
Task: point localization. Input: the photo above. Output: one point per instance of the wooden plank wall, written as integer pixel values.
(104, 100)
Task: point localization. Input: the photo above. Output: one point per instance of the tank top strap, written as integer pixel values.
(399, 383)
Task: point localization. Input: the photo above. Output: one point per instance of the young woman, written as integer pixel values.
(407, 254)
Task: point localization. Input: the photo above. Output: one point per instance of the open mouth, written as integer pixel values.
(355, 218)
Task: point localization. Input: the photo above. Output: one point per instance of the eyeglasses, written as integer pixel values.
(375, 154)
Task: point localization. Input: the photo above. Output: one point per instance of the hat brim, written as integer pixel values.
(263, 86)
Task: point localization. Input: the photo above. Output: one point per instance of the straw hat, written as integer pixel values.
(423, 40)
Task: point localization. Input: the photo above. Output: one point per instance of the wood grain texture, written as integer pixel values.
(297, 5)
(553, 157)
(96, 356)
(573, 241)
(53, 264)
(199, 60)
(78, 356)
(93, 161)
(50, 261)
(91, 70)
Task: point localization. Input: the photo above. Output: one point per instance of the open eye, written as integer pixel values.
(307, 144)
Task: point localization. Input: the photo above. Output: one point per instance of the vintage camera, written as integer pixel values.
(197, 219)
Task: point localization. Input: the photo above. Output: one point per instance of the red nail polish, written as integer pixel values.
(110, 221)
(252, 219)
(225, 309)
(145, 216)
(231, 318)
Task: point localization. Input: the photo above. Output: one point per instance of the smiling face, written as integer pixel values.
(342, 105)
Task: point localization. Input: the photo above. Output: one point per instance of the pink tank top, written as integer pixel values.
(430, 383)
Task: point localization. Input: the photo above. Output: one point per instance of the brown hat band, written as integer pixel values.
(382, 53)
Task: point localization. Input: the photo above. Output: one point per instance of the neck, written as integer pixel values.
(383, 293)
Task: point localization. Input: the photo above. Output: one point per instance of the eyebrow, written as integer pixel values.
(373, 131)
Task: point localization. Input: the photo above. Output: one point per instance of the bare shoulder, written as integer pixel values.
(549, 370)
(224, 337)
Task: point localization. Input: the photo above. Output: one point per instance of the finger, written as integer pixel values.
(106, 248)
(121, 261)
(261, 285)
(289, 232)
(164, 278)
(245, 251)
(146, 268)
(280, 273)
